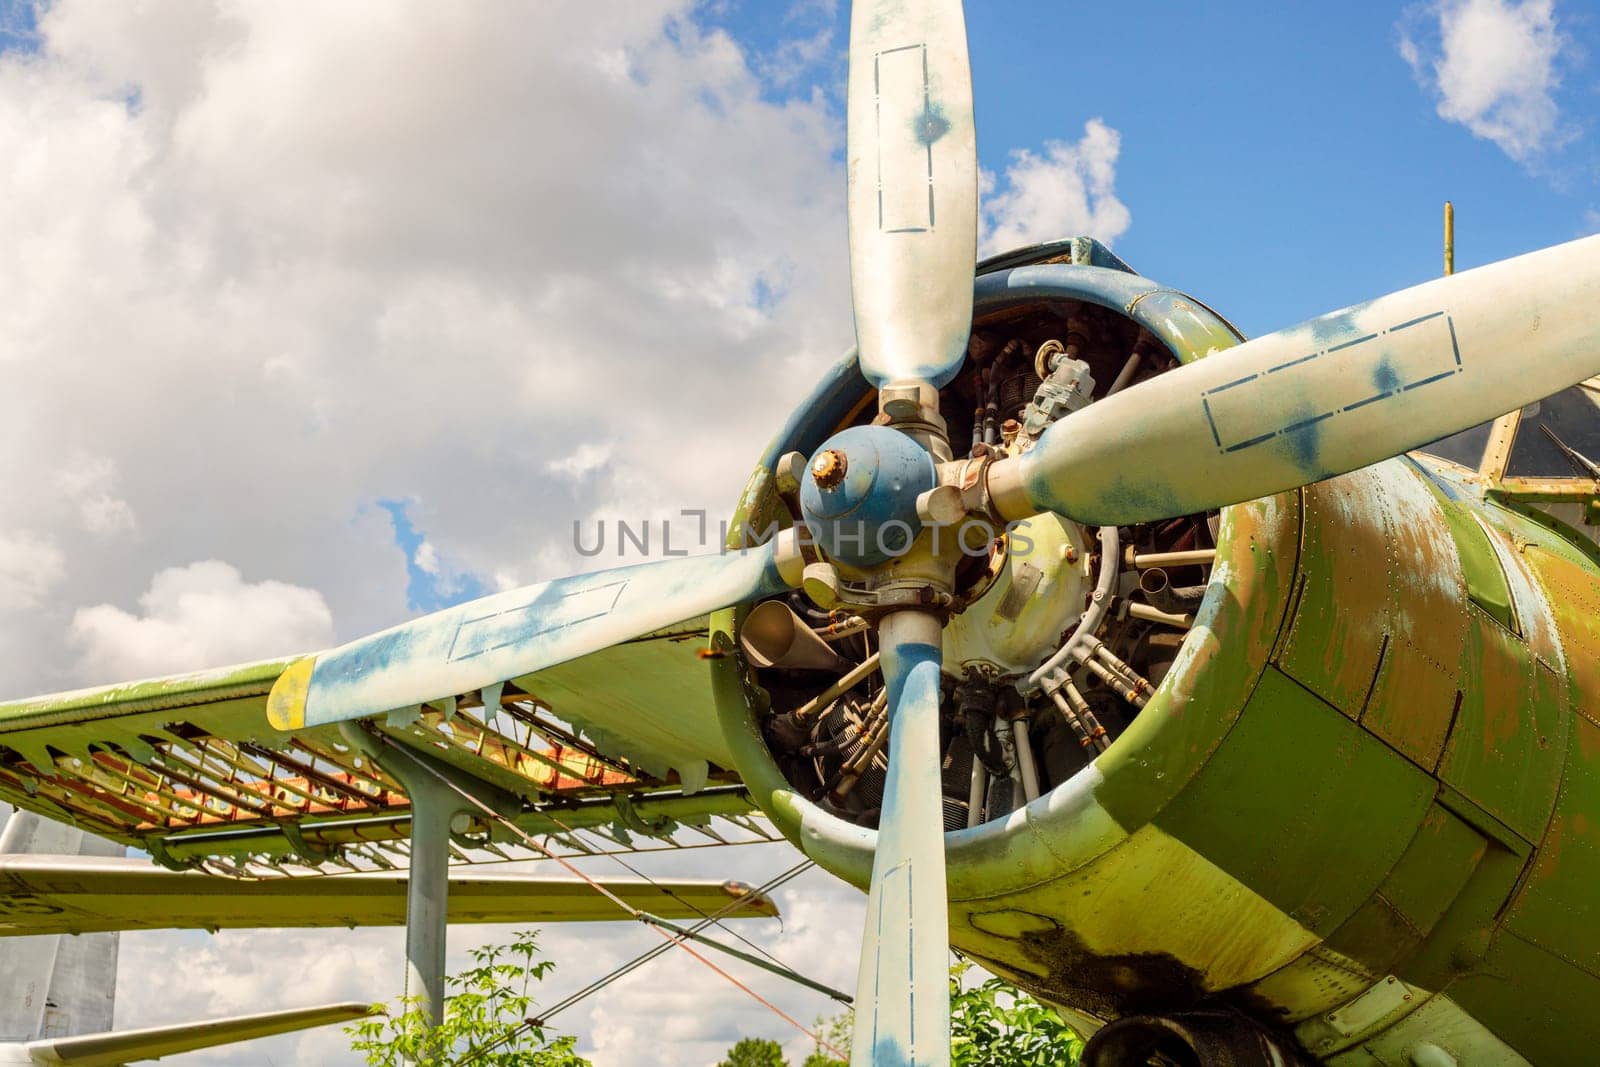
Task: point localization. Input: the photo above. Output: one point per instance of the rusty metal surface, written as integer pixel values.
(187, 768)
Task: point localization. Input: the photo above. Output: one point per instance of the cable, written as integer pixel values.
(656, 950)
(473, 1055)
(631, 869)
(602, 890)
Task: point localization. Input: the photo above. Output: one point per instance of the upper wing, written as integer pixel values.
(189, 768)
(74, 895)
(111, 1049)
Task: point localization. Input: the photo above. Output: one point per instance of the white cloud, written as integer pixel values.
(1065, 190)
(1494, 67)
(446, 254)
(29, 566)
(582, 461)
(87, 482)
(199, 616)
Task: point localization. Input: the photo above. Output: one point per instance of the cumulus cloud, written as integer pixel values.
(582, 461)
(263, 273)
(509, 267)
(198, 616)
(88, 483)
(1063, 190)
(1494, 67)
(29, 566)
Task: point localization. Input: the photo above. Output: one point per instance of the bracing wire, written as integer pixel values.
(671, 939)
(624, 969)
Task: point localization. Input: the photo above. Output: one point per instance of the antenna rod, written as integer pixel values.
(1449, 237)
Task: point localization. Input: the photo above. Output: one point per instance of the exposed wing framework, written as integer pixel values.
(594, 752)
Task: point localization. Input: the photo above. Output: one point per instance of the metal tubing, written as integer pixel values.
(854, 677)
(875, 728)
(1080, 645)
(1197, 557)
(852, 771)
(1125, 375)
(433, 805)
(1079, 730)
(1116, 663)
(976, 792)
(1449, 237)
(1166, 618)
(844, 628)
(1097, 733)
(1030, 773)
(1115, 681)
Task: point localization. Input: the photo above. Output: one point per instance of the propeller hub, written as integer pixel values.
(860, 502)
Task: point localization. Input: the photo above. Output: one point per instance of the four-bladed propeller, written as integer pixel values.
(1278, 412)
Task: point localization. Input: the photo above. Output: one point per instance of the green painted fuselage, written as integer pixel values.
(1363, 807)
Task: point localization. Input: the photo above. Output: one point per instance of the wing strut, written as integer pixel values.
(442, 792)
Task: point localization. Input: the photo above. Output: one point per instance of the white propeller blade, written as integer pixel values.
(903, 989)
(1324, 397)
(488, 641)
(913, 189)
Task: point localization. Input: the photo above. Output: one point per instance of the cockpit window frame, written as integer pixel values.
(1526, 491)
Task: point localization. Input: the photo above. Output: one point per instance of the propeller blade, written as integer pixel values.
(1321, 398)
(912, 189)
(485, 642)
(903, 988)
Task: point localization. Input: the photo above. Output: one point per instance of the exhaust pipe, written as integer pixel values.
(774, 636)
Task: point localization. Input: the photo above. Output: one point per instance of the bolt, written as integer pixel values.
(829, 468)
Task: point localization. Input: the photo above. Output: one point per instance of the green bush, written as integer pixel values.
(484, 1011)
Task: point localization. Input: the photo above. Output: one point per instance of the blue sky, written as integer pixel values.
(1279, 160)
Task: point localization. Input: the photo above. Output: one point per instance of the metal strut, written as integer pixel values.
(435, 791)
(451, 779)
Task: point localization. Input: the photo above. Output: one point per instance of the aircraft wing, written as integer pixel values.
(74, 895)
(617, 743)
(130, 1046)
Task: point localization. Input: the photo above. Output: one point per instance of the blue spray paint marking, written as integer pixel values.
(1303, 437)
(558, 608)
(930, 125)
(1385, 378)
(1237, 381)
(1121, 497)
